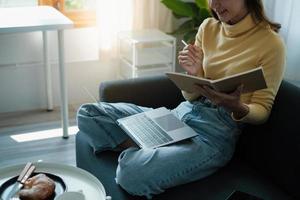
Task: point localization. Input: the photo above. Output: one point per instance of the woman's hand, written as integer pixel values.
(190, 59)
(230, 102)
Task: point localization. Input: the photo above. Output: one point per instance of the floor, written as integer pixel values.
(20, 119)
(36, 136)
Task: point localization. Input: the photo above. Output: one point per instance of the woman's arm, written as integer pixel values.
(191, 59)
(230, 102)
(258, 108)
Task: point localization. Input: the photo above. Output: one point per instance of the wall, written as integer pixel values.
(288, 15)
(22, 80)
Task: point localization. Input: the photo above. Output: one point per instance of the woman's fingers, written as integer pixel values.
(192, 52)
(183, 59)
(186, 64)
(190, 59)
(196, 54)
(189, 55)
(203, 91)
(193, 49)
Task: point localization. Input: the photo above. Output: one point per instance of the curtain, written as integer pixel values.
(149, 14)
(114, 16)
(287, 13)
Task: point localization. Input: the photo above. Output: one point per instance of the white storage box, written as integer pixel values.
(146, 52)
(126, 70)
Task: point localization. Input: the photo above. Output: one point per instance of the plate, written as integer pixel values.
(60, 186)
(75, 179)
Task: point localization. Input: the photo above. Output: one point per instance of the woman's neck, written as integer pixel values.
(238, 18)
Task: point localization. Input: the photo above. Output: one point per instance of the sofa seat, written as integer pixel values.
(266, 161)
(235, 176)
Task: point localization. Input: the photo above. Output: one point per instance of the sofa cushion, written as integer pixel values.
(274, 147)
(152, 91)
(235, 176)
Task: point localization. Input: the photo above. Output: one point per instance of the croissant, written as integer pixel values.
(38, 187)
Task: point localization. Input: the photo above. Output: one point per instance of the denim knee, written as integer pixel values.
(88, 109)
(131, 180)
(89, 116)
(82, 114)
(128, 180)
(136, 176)
(96, 125)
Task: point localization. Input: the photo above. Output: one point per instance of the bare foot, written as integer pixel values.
(126, 144)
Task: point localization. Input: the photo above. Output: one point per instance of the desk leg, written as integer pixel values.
(47, 66)
(63, 87)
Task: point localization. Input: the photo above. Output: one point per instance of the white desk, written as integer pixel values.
(42, 18)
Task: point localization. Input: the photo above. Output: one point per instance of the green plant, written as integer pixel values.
(193, 12)
(74, 4)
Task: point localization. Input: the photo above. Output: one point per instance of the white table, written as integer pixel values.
(76, 179)
(42, 18)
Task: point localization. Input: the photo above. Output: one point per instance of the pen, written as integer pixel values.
(184, 43)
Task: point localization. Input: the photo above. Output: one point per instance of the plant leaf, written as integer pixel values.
(179, 7)
(203, 14)
(185, 27)
(201, 3)
(178, 16)
(195, 10)
(190, 36)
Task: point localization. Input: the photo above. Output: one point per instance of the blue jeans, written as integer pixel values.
(146, 172)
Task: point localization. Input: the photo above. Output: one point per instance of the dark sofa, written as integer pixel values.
(266, 162)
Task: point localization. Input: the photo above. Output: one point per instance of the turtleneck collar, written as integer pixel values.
(242, 26)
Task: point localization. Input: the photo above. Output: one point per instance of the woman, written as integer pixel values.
(238, 38)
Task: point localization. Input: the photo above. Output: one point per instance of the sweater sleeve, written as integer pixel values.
(198, 42)
(261, 102)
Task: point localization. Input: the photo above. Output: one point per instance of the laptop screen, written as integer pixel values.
(168, 122)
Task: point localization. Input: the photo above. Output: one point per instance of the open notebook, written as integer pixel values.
(251, 80)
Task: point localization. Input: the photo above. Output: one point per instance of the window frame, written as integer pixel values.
(81, 18)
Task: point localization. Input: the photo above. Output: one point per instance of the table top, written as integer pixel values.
(27, 19)
(76, 179)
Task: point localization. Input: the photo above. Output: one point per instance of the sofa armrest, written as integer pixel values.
(273, 147)
(153, 91)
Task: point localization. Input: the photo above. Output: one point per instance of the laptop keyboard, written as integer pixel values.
(148, 131)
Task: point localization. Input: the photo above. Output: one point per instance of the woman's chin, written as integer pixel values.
(225, 20)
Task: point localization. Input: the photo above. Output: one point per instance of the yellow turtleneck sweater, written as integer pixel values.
(230, 49)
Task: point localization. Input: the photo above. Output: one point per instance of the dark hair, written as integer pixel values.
(256, 8)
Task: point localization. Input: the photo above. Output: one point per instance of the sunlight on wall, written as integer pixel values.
(41, 135)
(112, 17)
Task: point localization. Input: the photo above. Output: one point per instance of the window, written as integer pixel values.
(17, 3)
(81, 12)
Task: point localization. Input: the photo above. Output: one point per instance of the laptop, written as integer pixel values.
(155, 128)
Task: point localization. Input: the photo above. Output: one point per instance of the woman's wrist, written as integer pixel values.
(240, 111)
(199, 72)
